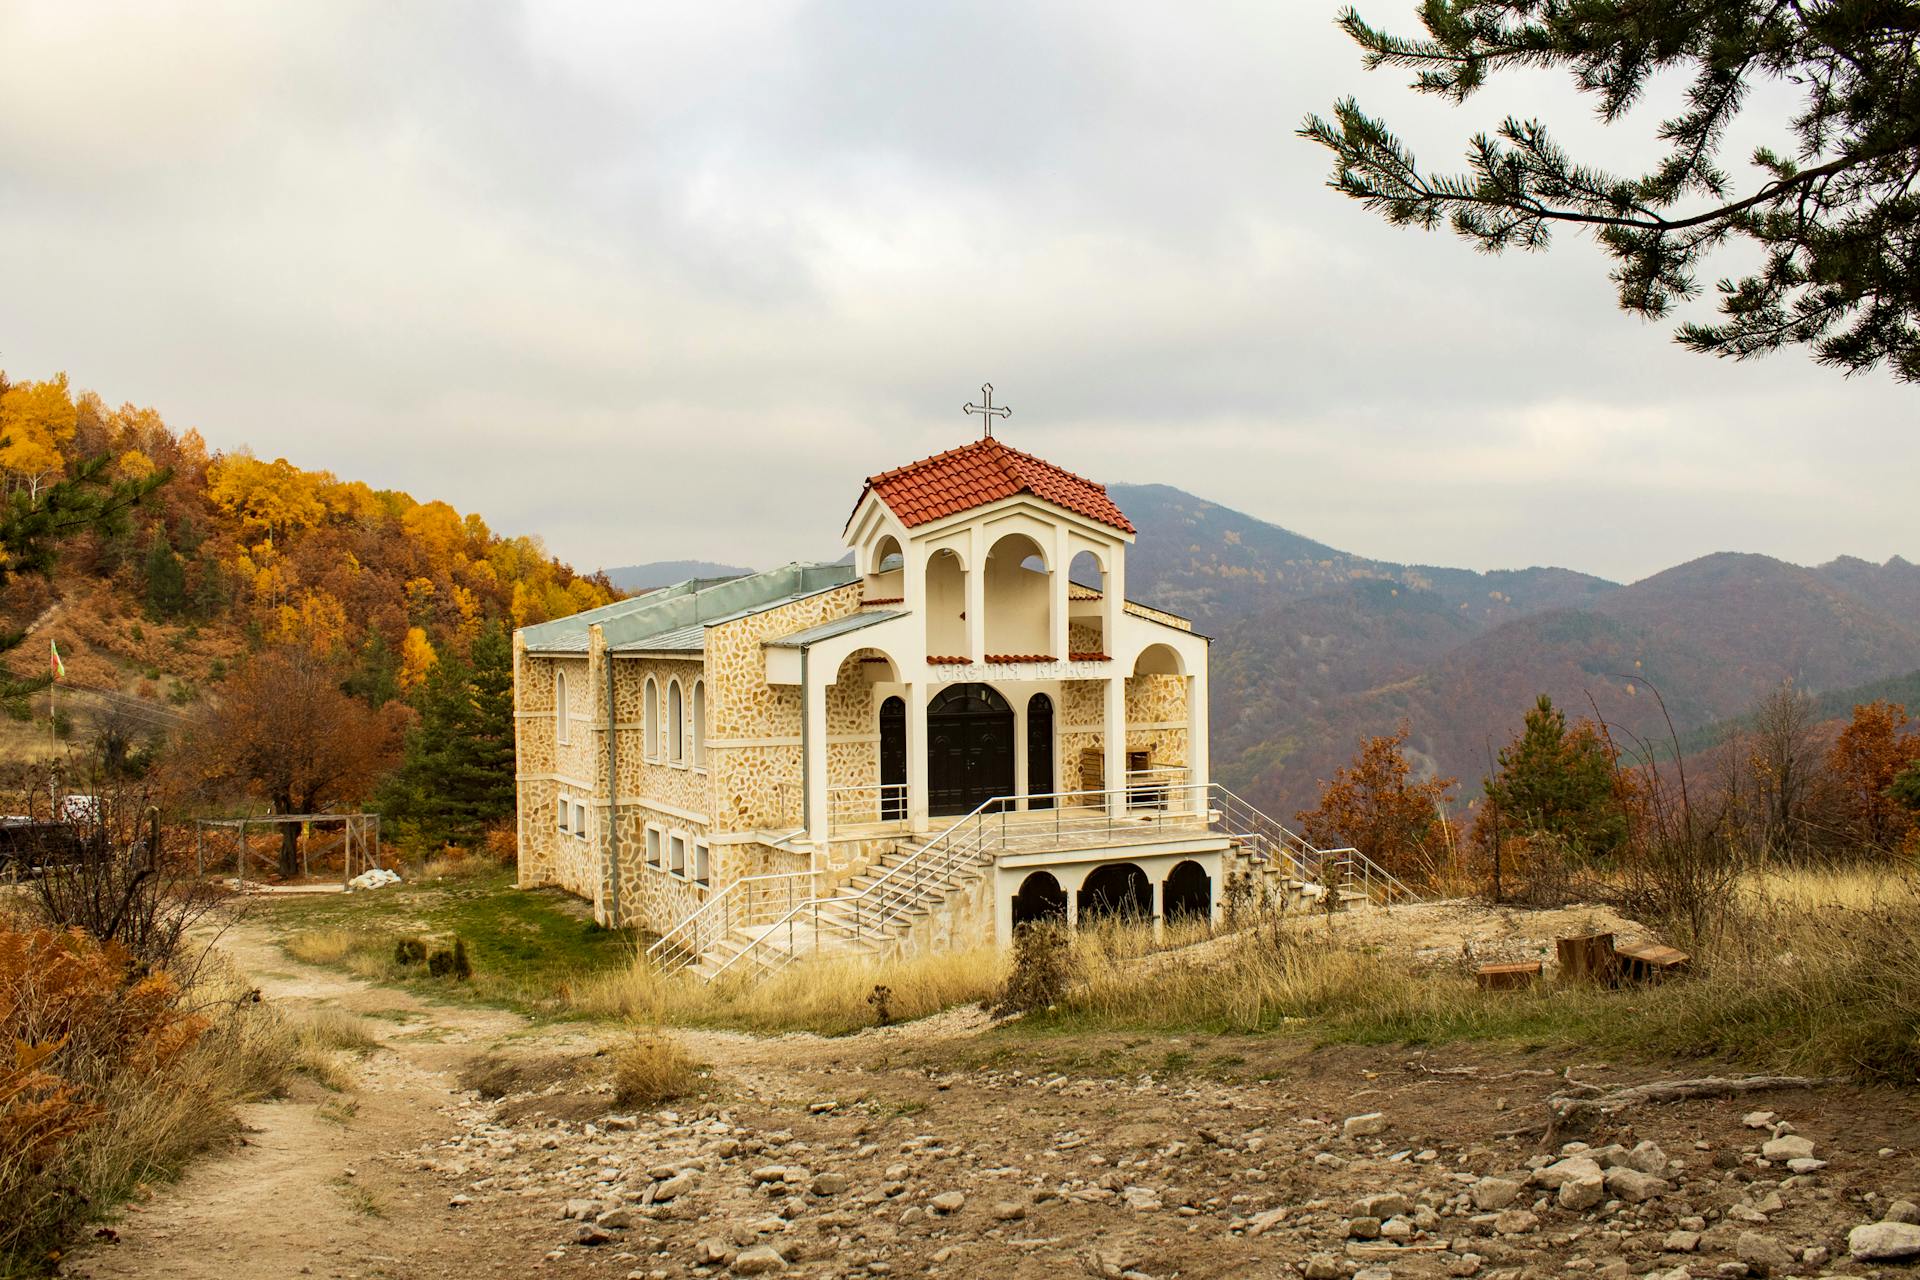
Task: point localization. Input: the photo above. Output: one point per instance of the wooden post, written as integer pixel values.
(1587, 959)
(199, 840)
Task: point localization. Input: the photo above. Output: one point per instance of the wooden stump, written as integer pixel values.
(1588, 959)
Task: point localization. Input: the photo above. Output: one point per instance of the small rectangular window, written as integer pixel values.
(580, 821)
(560, 813)
(653, 846)
(700, 862)
(678, 848)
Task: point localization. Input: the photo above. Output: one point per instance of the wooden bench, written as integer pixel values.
(1508, 977)
(1649, 961)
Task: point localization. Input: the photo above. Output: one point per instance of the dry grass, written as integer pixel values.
(829, 997)
(651, 1069)
(327, 1042)
(1808, 972)
(152, 1121)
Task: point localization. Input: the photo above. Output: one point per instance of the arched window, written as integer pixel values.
(676, 724)
(650, 720)
(699, 723)
(560, 733)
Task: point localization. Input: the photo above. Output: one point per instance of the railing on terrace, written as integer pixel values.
(1144, 810)
(740, 904)
(867, 803)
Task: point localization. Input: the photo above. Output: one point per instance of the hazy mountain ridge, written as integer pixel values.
(1316, 648)
(663, 573)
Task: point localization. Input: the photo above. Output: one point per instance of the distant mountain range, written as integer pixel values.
(663, 573)
(1316, 648)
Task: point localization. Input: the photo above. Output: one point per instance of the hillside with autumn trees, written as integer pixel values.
(233, 565)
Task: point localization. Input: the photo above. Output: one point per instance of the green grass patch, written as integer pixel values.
(531, 950)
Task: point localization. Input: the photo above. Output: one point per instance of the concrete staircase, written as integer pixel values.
(745, 930)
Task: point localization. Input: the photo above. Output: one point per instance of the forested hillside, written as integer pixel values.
(234, 557)
(1316, 649)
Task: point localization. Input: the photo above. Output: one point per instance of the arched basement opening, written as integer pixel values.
(1041, 899)
(1187, 894)
(1116, 891)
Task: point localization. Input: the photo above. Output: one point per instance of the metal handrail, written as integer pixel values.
(1000, 824)
(878, 798)
(699, 927)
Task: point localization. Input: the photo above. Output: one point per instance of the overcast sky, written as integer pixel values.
(660, 281)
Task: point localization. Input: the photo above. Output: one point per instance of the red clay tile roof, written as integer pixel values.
(986, 471)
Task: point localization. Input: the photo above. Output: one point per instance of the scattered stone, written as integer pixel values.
(831, 1184)
(1008, 1211)
(1363, 1228)
(616, 1219)
(580, 1209)
(1581, 1193)
(1682, 1242)
(1467, 1264)
(1758, 1120)
(1634, 1186)
(1763, 1253)
(1373, 1273)
(459, 1202)
(1902, 1211)
(1806, 1164)
(1382, 1205)
(758, 1260)
(1647, 1157)
(948, 1202)
(712, 1251)
(1559, 1171)
(1884, 1242)
(591, 1234)
(1398, 1230)
(1365, 1126)
(769, 1173)
(1321, 1266)
(1490, 1194)
(1515, 1222)
(1789, 1148)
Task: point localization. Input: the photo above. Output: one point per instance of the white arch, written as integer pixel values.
(1038, 549)
(1159, 659)
(884, 546)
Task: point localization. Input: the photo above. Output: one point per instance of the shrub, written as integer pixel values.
(651, 1069)
(1044, 968)
(451, 963)
(408, 952)
(109, 1078)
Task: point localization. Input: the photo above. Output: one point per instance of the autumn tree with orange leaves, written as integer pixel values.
(1377, 806)
(1872, 751)
(285, 731)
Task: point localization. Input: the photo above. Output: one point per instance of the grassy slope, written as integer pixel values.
(529, 949)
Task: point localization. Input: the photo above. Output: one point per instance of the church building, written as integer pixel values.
(965, 725)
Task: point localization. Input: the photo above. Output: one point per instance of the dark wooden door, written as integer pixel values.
(1040, 751)
(969, 749)
(893, 759)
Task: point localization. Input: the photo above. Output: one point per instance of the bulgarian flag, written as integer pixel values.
(59, 667)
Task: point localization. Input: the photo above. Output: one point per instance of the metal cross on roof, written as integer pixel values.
(988, 411)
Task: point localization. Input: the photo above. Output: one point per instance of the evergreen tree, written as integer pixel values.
(456, 776)
(166, 580)
(1828, 220)
(377, 679)
(1559, 781)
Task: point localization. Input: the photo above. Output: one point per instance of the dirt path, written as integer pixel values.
(947, 1149)
(319, 1185)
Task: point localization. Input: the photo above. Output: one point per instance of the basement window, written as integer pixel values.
(560, 813)
(700, 861)
(653, 846)
(677, 847)
(580, 821)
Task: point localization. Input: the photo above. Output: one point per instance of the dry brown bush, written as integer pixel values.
(651, 1069)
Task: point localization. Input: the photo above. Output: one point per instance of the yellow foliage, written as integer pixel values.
(36, 419)
(134, 465)
(419, 598)
(320, 623)
(351, 500)
(416, 657)
(276, 496)
(437, 528)
(467, 605)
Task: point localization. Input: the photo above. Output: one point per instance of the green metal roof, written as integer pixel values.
(838, 627)
(672, 619)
